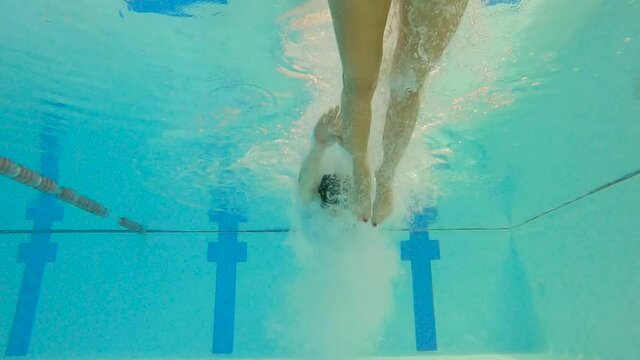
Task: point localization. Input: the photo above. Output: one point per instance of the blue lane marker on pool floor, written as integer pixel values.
(226, 252)
(35, 255)
(420, 251)
(167, 7)
(496, 2)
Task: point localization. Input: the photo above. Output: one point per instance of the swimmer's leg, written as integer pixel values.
(425, 30)
(359, 27)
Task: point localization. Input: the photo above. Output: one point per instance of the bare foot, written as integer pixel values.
(361, 191)
(383, 204)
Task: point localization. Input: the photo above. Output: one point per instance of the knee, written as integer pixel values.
(405, 92)
(359, 86)
(406, 85)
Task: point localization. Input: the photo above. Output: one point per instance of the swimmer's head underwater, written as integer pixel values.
(333, 191)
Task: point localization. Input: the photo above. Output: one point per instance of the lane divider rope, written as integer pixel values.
(46, 185)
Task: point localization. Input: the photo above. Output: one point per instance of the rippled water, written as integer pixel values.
(210, 95)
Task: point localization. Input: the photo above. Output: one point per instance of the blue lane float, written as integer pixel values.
(420, 251)
(226, 253)
(35, 255)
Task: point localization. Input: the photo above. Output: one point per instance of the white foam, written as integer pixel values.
(343, 291)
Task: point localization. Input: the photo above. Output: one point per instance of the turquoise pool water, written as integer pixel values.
(192, 119)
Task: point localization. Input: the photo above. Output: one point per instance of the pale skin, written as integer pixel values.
(327, 132)
(425, 29)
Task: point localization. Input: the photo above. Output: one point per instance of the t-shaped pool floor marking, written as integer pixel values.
(35, 255)
(420, 251)
(226, 252)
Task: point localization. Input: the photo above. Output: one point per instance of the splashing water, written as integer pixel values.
(338, 303)
(343, 292)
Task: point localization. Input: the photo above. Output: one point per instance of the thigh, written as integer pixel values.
(425, 29)
(359, 26)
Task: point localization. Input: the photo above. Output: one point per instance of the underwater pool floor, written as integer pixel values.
(457, 357)
(409, 357)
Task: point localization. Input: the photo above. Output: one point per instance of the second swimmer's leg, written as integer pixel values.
(425, 30)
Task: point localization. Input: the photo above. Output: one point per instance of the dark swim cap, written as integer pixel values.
(333, 190)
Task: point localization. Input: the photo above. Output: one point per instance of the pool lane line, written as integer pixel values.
(249, 231)
(592, 192)
(617, 181)
(420, 251)
(226, 252)
(39, 250)
(48, 186)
